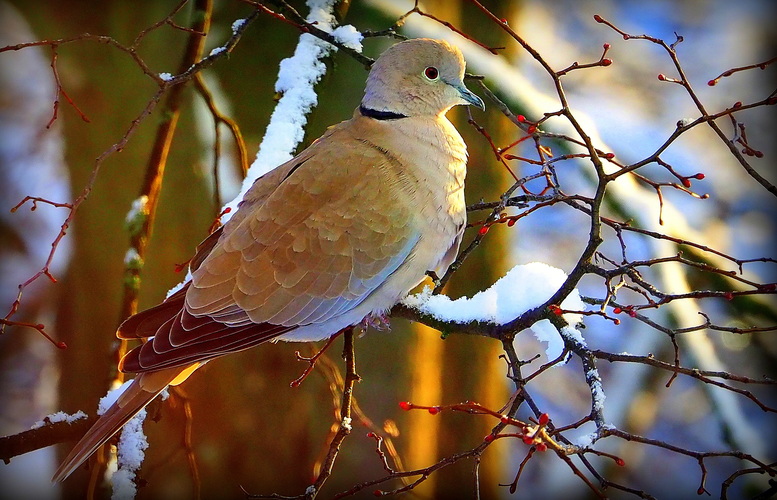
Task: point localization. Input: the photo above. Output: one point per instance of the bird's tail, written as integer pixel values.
(143, 389)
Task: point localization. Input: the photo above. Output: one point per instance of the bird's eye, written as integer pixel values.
(431, 73)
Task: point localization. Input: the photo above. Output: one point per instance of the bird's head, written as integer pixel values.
(419, 77)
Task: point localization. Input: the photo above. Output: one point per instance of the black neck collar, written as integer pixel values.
(380, 115)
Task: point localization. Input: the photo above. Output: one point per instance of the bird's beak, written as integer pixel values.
(469, 96)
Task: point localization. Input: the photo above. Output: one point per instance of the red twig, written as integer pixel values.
(35, 200)
(450, 26)
(40, 327)
(61, 91)
(603, 61)
(731, 71)
(311, 360)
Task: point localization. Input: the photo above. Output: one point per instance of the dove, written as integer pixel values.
(336, 236)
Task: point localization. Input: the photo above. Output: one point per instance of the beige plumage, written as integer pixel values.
(341, 232)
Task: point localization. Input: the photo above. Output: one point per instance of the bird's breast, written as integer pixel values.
(446, 169)
(427, 158)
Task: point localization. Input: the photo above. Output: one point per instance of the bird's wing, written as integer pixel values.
(334, 229)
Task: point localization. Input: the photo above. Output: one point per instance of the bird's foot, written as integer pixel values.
(378, 321)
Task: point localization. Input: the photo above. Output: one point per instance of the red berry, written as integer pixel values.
(527, 440)
(619, 462)
(617, 310)
(728, 296)
(661, 77)
(405, 405)
(699, 176)
(541, 447)
(737, 104)
(616, 321)
(511, 222)
(632, 313)
(544, 419)
(606, 61)
(377, 493)
(598, 18)
(434, 410)
(686, 182)
(61, 345)
(531, 129)
(606, 46)
(520, 118)
(483, 230)
(489, 438)
(712, 83)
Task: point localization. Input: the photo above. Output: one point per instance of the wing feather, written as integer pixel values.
(300, 252)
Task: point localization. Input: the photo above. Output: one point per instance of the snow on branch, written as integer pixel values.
(297, 78)
(523, 288)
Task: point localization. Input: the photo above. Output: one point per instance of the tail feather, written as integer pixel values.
(140, 393)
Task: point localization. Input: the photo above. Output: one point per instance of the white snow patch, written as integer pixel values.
(132, 257)
(59, 416)
(349, 37)
(110, 398)
(216, 51)
(130, 455)
(597, 392)
(138, 211)
(586, 440)
(237, 25)
(574, 335)
(130, 450)
(544, 331)
(684, 122)
(521, 289)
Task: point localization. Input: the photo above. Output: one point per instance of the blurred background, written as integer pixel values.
(249, 428)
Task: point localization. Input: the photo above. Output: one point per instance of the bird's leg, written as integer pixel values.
(378, 321)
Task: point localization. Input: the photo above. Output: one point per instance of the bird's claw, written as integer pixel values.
(378, 321)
